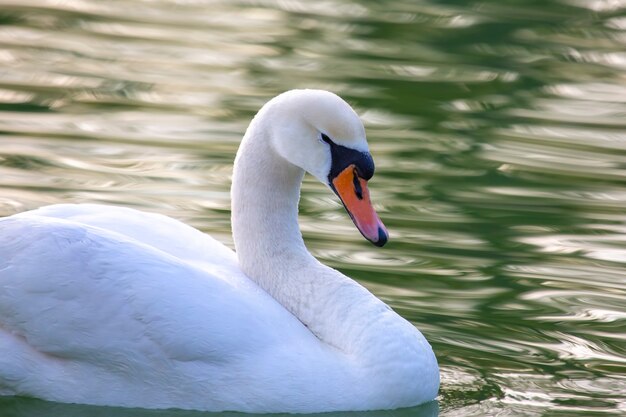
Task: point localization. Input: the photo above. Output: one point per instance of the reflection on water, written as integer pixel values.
(498, 129)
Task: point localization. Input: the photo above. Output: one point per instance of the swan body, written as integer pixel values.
(111, 306)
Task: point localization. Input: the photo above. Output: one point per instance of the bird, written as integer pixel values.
(111, 306)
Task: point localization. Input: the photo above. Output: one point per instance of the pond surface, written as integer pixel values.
(498, 129)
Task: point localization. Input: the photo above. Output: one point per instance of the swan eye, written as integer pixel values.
(326, 139)
(358, 189)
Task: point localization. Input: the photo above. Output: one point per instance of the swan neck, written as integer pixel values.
(265, 195)
(271, 252)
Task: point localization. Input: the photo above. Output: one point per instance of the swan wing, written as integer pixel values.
(162, 232)
(76, 297)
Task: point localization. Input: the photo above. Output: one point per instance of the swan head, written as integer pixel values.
(319, 132)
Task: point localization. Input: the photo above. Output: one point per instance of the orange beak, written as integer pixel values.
(353, 192)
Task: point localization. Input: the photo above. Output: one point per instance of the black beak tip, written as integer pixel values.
(383, 237)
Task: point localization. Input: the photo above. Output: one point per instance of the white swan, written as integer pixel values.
(111, 306)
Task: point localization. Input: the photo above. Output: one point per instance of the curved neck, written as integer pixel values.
(271, 252)
(265, 194)
(269, 245)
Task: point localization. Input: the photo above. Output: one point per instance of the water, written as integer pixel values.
(498, 129)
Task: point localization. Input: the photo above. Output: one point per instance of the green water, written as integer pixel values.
(498, 129)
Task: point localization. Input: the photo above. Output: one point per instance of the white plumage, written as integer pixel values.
(111, 306)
